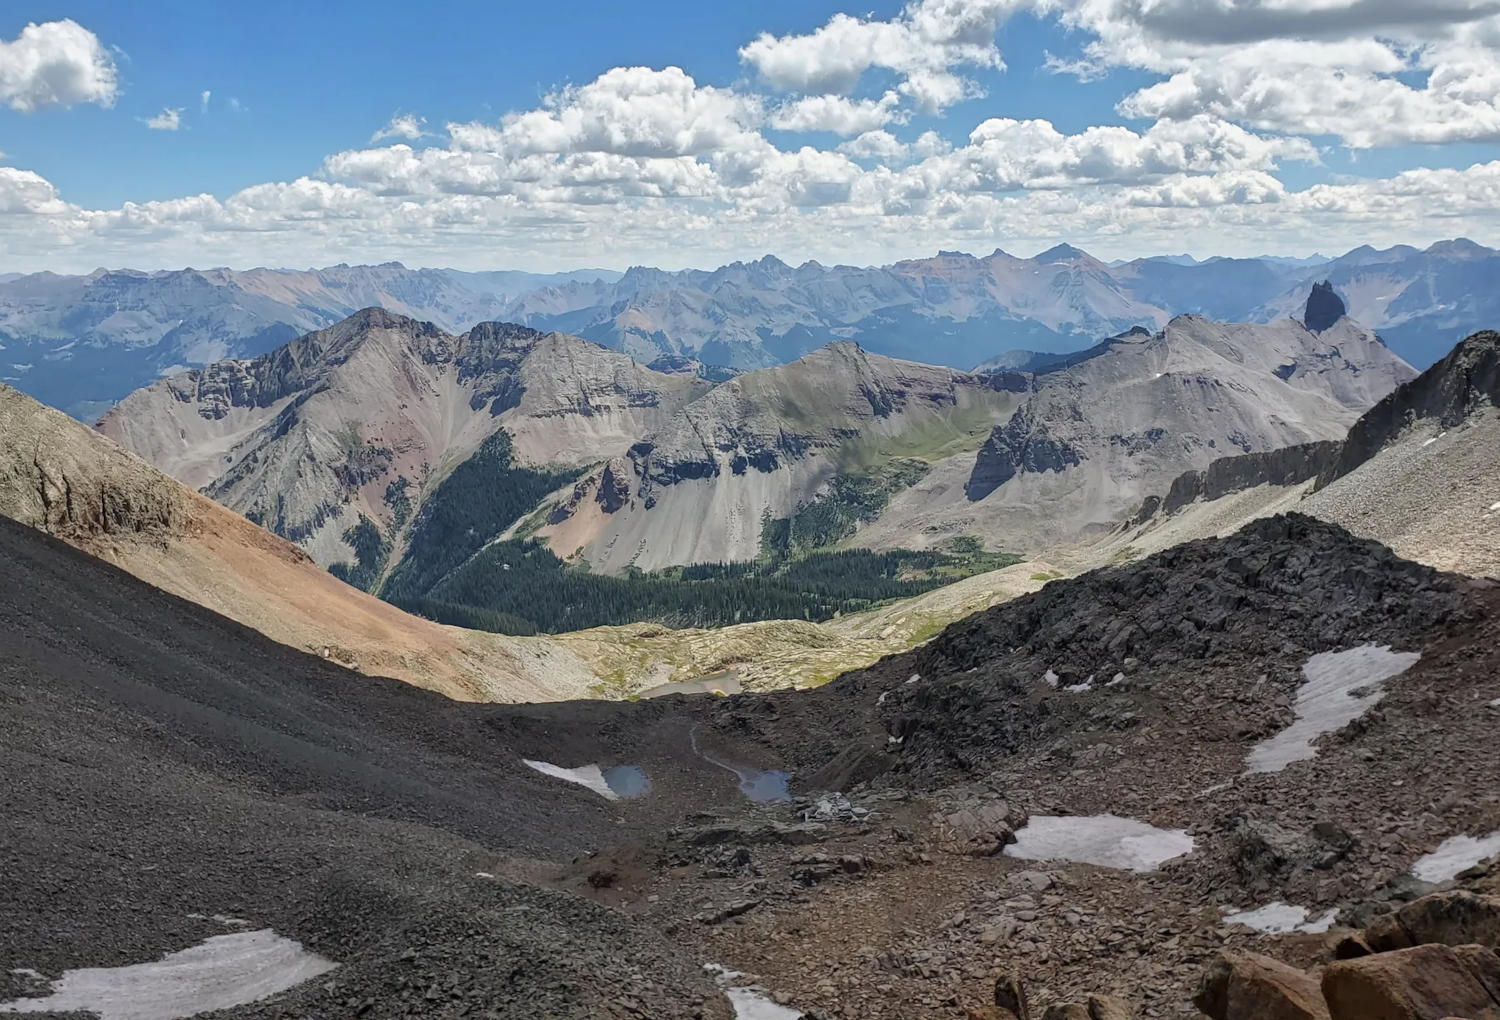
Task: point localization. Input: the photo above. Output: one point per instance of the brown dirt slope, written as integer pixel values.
(63, 479)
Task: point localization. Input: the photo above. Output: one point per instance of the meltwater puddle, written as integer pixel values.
(764, 786)
(615, 783)
(218, 973)
(1338, 688)
(1106, 840)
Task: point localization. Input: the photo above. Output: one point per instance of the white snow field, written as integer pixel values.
(220, 972)
(750, 1004)
(1281, 918)
(1456, 854)
(1106, 840)
(1338, 688)
(590, 776)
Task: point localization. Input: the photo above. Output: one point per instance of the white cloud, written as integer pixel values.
(56, 64)
(402, 125)
(651, 166)
(1370, 72)
(629, 111)
(922, 45)
(169, 119)
(203, 99)
(837, 114)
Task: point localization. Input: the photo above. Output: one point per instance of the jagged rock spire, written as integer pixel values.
(1324, 307)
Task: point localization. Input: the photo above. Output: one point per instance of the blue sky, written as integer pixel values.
(1268, 133)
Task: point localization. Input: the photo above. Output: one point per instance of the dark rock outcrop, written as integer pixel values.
(1467, 380)
(1020, 445)
(1450, 918)
(1290, 465)
(1324, 307)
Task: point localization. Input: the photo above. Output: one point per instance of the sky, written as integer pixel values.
(547, 136)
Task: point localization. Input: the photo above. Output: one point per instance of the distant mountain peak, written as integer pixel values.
(1460, 247)
(1062, 253)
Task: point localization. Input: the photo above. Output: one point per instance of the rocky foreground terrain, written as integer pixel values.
(1070, 805)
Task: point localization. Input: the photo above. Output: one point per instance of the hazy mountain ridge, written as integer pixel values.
(89, 340)
(83, 342)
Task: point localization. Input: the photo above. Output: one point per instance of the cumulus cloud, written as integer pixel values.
(837, 114)
(402, 125)
(169, 119)
(650, 165)
(56, 64)
(922, 45)
(1369, 72)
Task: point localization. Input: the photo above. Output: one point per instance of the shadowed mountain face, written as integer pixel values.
(82, 343)
(1324, 307)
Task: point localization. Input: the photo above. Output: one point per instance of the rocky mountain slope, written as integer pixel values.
(1417, 471)
(1049, 807)
(1071, 447)
(1100, 432)
(703, 486)
(353, 423)
(81, 343)
(62, 478)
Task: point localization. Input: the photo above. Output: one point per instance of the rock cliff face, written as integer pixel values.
(1290, 465)
(1022, 444)
(1450, 392)
(313, 436)
(87, 493)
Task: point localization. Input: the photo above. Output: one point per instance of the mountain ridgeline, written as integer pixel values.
(81, 343)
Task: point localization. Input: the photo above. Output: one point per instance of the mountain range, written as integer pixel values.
(83, 343)
(511, 479)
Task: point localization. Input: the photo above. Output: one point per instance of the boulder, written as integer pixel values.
(1107, 1007)
(1010, 996)
(1066, 1011)
(1422, 983)
(1248, 986)
(1455, 918)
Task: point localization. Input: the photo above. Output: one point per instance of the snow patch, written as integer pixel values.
(1495, 508)
(218, 973)
(1050, 678)
(1338, 687)
(1281, 918)
(749, 1003)
(1106, 840)
(1453, 855)
(590, 776)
